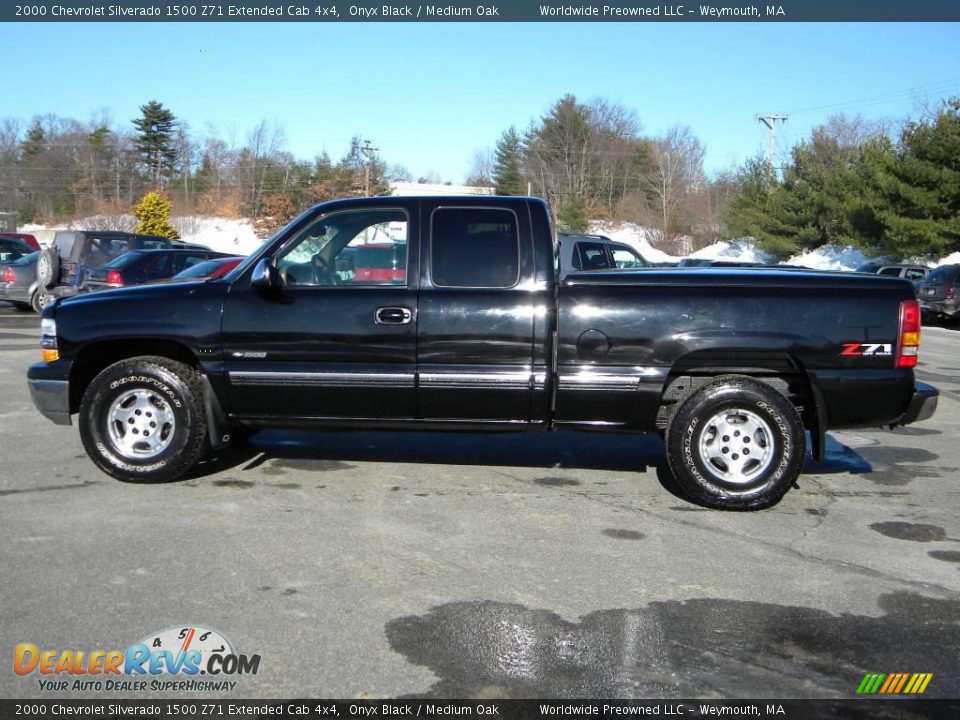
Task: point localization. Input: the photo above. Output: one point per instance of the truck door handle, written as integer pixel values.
(392, 316)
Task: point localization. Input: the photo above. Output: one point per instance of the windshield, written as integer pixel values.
(27, 259)
(255, 255)
(942, 274)
(200, 270)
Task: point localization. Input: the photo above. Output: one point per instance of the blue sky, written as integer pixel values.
(430, 95)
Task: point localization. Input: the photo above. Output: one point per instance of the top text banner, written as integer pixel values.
(489, 11)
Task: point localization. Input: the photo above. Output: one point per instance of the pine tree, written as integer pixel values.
(924, 187)
(508, 164)
(572, 215)
(156, 140)
(361, 172)
(152, 212)
(33, 143)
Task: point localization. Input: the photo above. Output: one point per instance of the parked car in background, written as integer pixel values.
(939, 294)
(18, 283)
(30, 240)
(913, 273)
(577, 252)
(208, 269)
(12, 249)
(62, 266)
(380, 263)
(137, 267)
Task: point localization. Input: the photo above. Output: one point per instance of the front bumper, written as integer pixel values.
(50, 395)
(922, 405)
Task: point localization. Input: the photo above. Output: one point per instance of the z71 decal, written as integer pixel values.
(867, 349)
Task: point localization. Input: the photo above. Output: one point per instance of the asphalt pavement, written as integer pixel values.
(364, 565)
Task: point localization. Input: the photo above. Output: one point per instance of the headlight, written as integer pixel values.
(48, 340)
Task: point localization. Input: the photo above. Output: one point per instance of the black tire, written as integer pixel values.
(48, 268)
(38, 300)
(736, 444)
(119, 406)
(22, 307)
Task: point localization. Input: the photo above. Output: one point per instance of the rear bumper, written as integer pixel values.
(7, 293)
(922, 405)
(63, 291)
(940, 308)
(50, 395)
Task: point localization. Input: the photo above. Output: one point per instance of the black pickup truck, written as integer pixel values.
(477, 333)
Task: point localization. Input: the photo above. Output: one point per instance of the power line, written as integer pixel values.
(884, 98)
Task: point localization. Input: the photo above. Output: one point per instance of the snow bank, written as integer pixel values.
(220, 234)
(737, 250)
(831, 257)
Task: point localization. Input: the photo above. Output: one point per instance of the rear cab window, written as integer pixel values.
(474, 248)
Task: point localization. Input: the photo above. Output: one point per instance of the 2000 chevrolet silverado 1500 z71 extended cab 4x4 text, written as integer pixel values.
(475, 332)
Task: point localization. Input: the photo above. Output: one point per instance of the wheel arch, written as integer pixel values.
(779, 370)
(95, 357)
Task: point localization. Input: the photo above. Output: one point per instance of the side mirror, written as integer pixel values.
(266, 278)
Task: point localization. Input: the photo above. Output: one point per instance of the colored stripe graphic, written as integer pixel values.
(870, 683)
(894, 683)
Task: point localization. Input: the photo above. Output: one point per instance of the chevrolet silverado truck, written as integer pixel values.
(732, 366)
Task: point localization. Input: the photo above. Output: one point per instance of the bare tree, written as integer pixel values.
(9, 167)
(480, 173)
(585, 156)
(675, 178)
(264, 143)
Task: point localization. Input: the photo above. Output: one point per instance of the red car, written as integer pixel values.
(28, 239)
(380, 263)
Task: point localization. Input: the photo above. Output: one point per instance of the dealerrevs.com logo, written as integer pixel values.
(170, 660)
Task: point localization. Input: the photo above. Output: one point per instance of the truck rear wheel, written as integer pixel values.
(143, 419)
(736, 444)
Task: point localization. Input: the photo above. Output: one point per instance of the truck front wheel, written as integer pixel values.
(736, 444)
(143, 419)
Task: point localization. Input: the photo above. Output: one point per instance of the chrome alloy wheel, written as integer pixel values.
(140, 424)
(736, 446)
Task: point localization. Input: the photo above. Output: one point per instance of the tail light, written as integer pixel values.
(71, 269)
(114, 278)
(908, 340)
(9, 275)
(950, 292)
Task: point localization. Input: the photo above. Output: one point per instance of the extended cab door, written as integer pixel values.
(329, 344)
(480, 309)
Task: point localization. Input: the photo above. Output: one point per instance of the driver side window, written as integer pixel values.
(353, 247)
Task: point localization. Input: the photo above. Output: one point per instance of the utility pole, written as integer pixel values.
(368, 151)
(771, 122)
